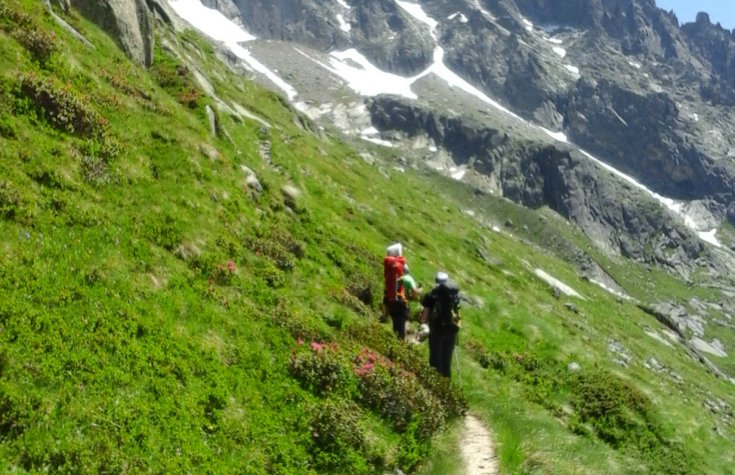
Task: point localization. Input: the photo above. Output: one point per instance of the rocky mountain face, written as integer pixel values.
(537, 174)
(639, 69)
(718, 47)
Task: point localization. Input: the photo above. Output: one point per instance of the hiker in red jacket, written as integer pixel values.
(395, 302)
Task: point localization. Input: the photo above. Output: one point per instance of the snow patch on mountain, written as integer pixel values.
(416, 11)
(217, 26)
(657, 336)
(365, 78)
(210, 21)
(560, 51)
(454, 80)
(457, 172)
(343, 25)
(256, 65)
(611, 290)
(573, 69)
(485, 13)
(461, 16)
(371, 134)
(560, 136)
(710, 237)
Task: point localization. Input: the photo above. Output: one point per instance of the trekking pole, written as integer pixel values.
(456, 360)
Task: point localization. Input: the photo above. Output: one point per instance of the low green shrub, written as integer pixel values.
(10, 199)
(274, 251)
(605, 406)
(58, 105)
(624, 417)
(278, 245)
(397, 395)
(176, 78)
(7, 129)
(164, 229)
(12, 414)
(40, 44)
(323, 369)
(339, 440)
(120, 78)
(301, 327)
(345, 298)
(364, 289)
(412, 449)
(614, 407)
(376, 337)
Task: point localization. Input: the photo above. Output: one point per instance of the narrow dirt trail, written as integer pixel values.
(476, 445)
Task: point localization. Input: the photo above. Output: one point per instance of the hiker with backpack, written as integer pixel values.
(395, 302)
(441, 312)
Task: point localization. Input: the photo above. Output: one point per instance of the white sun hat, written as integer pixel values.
(395, 250)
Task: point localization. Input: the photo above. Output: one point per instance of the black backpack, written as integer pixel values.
(445, 303)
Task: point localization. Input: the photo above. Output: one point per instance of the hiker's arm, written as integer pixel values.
(425, 315)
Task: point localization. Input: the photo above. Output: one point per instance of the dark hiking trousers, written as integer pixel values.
(399, 314)
(441, 347)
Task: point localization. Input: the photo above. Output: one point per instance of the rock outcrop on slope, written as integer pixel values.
(128, 22)
(639, 133)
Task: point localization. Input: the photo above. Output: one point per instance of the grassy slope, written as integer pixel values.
(127, 345)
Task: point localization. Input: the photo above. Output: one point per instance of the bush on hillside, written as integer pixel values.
(614, 407)
(40, 44)
(340, 444)
(300, 327)
(7, 129)
(347, 299)
(176, 79)
(375, 336)
(397, 395)
(10, 198)
(22, 26)
(414, 404)
(323, 369)
(59, 106)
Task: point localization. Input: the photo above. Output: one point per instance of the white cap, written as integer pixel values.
(394, 249)
(441, 277)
